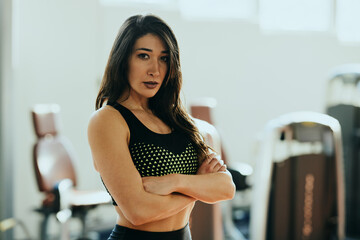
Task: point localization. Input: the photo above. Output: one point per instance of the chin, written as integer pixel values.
(146, 93)
(150, 95)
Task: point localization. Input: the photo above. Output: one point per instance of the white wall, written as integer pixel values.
(56, 52)
(62, 48)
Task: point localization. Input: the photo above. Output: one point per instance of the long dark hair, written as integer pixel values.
(166, 104)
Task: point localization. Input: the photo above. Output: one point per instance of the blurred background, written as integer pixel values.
(257, 58)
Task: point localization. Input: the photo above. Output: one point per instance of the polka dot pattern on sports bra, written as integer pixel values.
(152, 160)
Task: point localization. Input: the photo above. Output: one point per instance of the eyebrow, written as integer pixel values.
(150, 50)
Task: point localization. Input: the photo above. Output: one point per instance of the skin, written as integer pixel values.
(149, 203)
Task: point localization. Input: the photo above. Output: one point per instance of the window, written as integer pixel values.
(348, 20)
(295, 15)
(215, 10)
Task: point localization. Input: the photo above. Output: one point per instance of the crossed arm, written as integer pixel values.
(145, 200)
(211, 184)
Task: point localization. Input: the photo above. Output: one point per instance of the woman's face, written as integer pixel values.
(148, 65)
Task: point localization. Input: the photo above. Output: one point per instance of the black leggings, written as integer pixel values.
(124, 233)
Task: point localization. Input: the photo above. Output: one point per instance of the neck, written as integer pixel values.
(135, 103)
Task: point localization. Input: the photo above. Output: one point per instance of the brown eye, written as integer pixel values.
(143, 56)
(165, 59)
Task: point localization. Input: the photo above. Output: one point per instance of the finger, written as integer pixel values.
(210, 157)
(215, 161)
(211, 151)
(217, 167)
(222, 169)
(212, 163)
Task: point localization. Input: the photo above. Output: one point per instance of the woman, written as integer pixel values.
(146, 148)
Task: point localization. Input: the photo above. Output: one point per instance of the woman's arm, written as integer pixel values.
(108, 136)
(212, 183)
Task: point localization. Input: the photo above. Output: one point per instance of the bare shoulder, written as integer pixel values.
(107, 124)
(106, 113)
(107, 117)
(108, 134)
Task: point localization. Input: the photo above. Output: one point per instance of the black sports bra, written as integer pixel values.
(155, 154)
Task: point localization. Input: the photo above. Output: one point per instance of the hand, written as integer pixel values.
(212, 164)
(163, 185)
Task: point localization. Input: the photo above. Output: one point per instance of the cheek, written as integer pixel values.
(130, 71)
(133, 72)
(164, 71)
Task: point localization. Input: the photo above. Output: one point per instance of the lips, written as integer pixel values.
(151, 84)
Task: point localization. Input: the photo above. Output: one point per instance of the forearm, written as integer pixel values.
(209, 188)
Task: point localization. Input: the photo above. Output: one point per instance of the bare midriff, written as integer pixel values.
(172, 223)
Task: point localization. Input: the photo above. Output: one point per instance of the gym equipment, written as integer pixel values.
(53, 158)
(343, 103)
(298, 190)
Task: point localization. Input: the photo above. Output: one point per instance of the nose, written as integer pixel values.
(154, 69)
